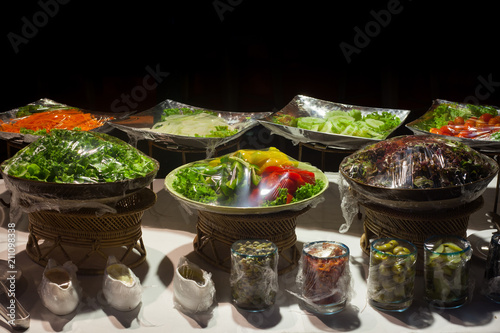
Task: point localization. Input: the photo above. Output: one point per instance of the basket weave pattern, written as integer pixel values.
(85, 237)
(217, 232)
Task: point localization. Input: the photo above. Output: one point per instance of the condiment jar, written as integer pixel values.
(59, 290)
(121, 287)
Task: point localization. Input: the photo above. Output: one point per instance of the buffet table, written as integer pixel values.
(168, 233)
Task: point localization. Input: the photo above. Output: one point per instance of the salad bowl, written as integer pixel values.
(304, 106)
(139, 126)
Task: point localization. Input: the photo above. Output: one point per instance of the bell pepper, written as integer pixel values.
(265, 158)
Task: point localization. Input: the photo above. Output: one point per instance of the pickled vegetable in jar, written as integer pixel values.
(254, 274)
(326, 276)
(446, 270)
(391, 277)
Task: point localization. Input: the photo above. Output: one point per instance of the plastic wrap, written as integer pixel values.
(391, 278)
(491, 285)
(254, 274)
(194, 290)
(324, 279)
(69, 170)
(247, 182)
(338, 133)
(22, 116)
(140, 126)
(446, 270)
(475, 125)
(120, 286)
(60, 290)
(417, 172)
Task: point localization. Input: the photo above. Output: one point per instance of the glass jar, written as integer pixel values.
(391, 276)
(446, 270)
(254, 274)
(491, 286)
(325, 276)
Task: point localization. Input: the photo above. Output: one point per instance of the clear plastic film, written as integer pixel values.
(194, 290)
(446, 270)
(416, 171)
(25, 124)
(68, 170)
(391, 278)
(491, 285)
(176, 125)
(324, 279)
(120, 286)
(254, 274)
(248, 181)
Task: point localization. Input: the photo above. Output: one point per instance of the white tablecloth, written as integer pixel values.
(168, 233)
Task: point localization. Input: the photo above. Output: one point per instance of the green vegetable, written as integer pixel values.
(65, 156)
(445, 112)
(308, 190)
(354, 123)
(196, 124)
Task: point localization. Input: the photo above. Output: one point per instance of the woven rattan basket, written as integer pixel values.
(415, 226)
(217, 232)
(88, 238)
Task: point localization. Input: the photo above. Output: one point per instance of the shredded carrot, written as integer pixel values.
(48, 120)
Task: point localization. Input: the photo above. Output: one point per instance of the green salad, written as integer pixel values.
(65, 156)
(377, 125)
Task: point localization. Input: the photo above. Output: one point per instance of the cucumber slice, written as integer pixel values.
(374, 122)
(310, 123)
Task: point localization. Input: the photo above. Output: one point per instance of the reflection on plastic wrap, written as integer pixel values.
(391, 278)
(491, 286)
(254, 274)
(446, 270)
(246, 182)
(140, 127)
(324, 278)
(194, 290)
(349, 137)
(75, 170)
(25, 124)
(415, 172)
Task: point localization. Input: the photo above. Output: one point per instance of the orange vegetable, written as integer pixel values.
(48, 120)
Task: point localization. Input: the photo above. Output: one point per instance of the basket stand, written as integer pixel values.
(217, 232)
(415, 226)
(87, 239)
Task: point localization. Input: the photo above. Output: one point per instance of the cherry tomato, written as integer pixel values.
(480, 123)
(486, 117)
(464, 134)
(445, 130)
(435, 131)
(459, 121)
(470, 123)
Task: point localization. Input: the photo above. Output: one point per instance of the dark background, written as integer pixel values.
(253, 56)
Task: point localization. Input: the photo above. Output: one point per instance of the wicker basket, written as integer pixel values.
(87, 238)
(415, 226)
(217, 232)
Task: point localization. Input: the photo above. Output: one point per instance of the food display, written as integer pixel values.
(196, 123)
(26, 123)
(491, 285)
(247, 181)
(181, 126)
(325, 276)
(91, 164)
(446, 271)
(391, 278)
(476, 125)
(254, 274)
(341, 126)
(418, 168)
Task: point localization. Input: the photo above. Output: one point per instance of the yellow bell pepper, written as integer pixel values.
(264, 158)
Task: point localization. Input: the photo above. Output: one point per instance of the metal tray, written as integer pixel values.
(137, 126)
(479, 144)
(21, 139)
(304, 106)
